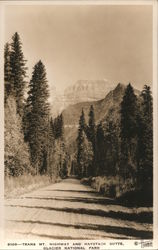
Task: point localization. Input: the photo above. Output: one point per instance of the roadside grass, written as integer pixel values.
(123, 191)
(15, 186)
(111, 186)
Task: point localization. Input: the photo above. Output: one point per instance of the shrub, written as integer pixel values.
(17, 158)
(14, 186)
(111, 186)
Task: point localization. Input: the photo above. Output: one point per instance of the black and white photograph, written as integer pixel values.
(78, 101)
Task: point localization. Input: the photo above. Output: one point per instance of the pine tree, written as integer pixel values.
(111, 148)
(59, 155)
(84, 150)
(128, 132)
(100, 150)
(50, 150)
(128, 114)
(38, 117)
(91, 126)
(81, 128)
(18, 71)
(58, 126)
(84, 156)
(91, 134)
(62, 159)
(145, 139)
(8, 89)
(82, 123)
(61, 125)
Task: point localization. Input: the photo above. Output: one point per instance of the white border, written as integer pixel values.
(155, 94)
(155, 121)
(1, 122)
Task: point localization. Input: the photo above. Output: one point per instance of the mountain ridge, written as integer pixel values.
(80, 91)
(106, 107)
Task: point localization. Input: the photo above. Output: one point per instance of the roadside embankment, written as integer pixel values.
(124, 191)
(14, 186)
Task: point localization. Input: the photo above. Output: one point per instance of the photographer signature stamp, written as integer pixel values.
(144, 243)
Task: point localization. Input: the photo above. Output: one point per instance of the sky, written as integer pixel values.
(89, 42)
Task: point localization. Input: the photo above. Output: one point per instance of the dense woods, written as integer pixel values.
(123, 148)
(34, 142)
(120, 148)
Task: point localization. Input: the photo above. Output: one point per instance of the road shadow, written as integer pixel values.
(54, 237)
(125, 231)
(131, 199)
(72, 191)
(142, 217)
(104, 201)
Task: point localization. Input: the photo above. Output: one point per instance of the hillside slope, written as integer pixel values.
(109, 106)
(80, 91)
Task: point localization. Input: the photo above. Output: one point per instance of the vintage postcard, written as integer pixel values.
(78, 125)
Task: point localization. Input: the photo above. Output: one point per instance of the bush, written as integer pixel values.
(86, 181)
(17, 157)
(14, 186)
(141, 197)
(124, 191)
(111, 186)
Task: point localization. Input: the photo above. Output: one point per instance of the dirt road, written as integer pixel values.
(70, 210)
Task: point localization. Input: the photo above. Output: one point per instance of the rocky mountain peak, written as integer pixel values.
(88, 90)
(82, 91)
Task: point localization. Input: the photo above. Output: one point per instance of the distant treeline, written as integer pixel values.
(34, 143)
(122, 147)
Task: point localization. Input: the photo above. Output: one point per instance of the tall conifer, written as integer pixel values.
(91, 132)
(80, 139)
(18, 71)
(38, 117)
(8, 88)
(145, 139)
(100, 150)
(128, 132)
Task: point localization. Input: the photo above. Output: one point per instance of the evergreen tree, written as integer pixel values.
(63, 159)
(38, 117)
(8, 89)
(100, 150)
(18, 71)
(53, 127)
(81, 128)
(60, 155)
(91, 134)
(111, 148)
(147, 104)
(84, 150)
(58, 126)
(128, 132)
(82, 123)
(84, 156)
(145, 139)
(61, 125)
(59, 159)
(91, 126)
(50, 150)
(128, 114)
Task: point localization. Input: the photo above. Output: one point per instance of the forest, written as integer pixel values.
(117, 155)
(34, 142)
(113, 155)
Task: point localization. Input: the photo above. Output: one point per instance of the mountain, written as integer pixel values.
(81, 91)
(87, 90)
(72, 113)
(108, 106)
